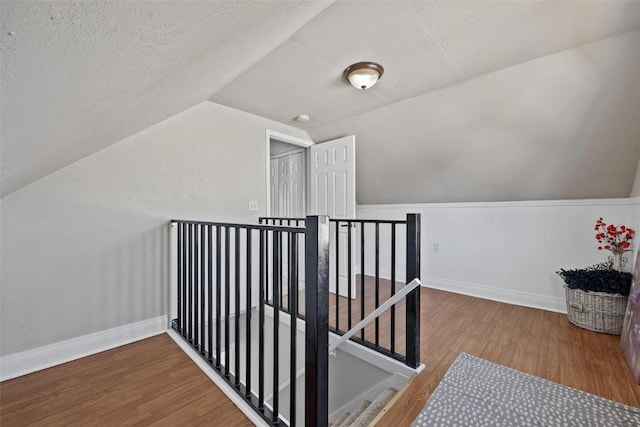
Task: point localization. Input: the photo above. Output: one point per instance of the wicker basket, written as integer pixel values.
(596, 311)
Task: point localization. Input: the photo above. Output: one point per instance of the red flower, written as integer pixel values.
(611, 237)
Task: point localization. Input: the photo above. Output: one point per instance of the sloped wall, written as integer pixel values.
(85, 249)
(510, 251)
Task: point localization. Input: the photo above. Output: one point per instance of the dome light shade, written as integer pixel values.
(363, 75)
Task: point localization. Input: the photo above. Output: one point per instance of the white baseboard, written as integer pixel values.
(217, 380)
(383, 273)
(526, 299)
(28, 361)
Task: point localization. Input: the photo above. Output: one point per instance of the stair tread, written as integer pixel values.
(374, 408)
(355, 414)
(340, 419)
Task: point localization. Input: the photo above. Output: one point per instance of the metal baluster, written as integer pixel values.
(210, 290)
(202, 289)
(276, 319)
(196, 285)
(362, 314)
(293, 309)
(247, 380)
(349, 272)
(337, 275)
(289, 276)
(393, 286)
(218, 297)
(261, 298)
(190, 289)
(377, 295)
(297, 282)
(280, 269)
(227, 301)
(236, 299)
(181, 281)
(266, 267)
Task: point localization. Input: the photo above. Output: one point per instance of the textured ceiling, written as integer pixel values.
(80, 75)
(423, 46)
(479, 101)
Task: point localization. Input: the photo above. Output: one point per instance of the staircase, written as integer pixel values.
(364, 414)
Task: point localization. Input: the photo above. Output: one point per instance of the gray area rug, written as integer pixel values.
(476, 392)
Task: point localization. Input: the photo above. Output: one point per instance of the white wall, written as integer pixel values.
(509, 251)
(85, 248)
(635, 191)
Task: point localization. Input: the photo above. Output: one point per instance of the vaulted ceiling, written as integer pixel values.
(479, 100)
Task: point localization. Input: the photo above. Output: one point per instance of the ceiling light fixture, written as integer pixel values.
(363, 75)
(302, 118)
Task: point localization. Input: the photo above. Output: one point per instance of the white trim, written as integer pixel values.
(383, 273)
(288, 139)
(28, 361)
(270, 134)
(231, 394)
(525, 203)
(525, 299)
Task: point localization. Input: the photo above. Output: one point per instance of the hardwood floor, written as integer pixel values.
(534, 341)
(148, 383)
(152, 382)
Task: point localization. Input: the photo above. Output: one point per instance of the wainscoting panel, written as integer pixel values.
(507, 251)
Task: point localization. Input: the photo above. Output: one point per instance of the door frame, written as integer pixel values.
(288, 139)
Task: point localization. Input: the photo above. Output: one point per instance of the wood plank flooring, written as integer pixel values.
(147, 383)
(153, 383)
(538, 342)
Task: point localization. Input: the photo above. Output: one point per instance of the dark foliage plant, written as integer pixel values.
(598, 278)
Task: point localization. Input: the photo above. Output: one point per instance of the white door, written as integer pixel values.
(332, 183)
(273, 187)
(296, 185)
(283, 187)
(287, 185)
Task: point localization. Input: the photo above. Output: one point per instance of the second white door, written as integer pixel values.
(332, 187)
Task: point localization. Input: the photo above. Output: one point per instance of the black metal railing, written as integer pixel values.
(222, 299)
(375, 245)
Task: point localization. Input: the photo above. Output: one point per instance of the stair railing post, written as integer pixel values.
(413, 299)
(317, 321)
